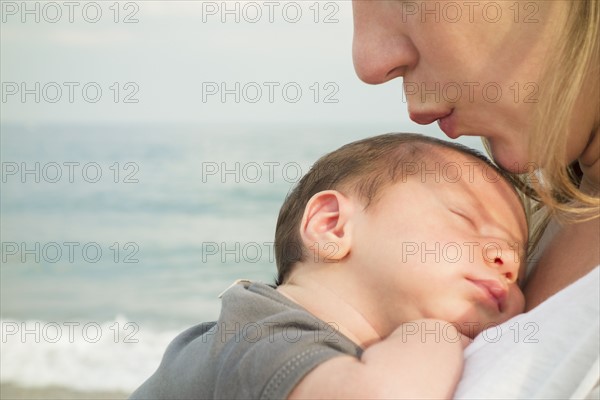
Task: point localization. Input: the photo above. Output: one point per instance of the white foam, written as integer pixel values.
(83, 355)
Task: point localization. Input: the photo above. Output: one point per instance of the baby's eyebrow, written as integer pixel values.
(508, 236)
(522, 250)
(514, 242)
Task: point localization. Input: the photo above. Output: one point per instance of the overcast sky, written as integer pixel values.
(192, 62)
(282, 60)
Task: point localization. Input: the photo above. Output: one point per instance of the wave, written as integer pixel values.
(112, 355)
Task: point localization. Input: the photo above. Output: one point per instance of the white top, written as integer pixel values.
(552, 351)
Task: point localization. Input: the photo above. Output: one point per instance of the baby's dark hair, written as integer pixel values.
(362, 168)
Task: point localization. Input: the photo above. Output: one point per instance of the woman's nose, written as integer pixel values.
(381, 50)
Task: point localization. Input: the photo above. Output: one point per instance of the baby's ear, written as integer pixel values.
(327, 226)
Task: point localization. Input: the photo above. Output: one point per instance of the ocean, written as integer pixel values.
(117, 238)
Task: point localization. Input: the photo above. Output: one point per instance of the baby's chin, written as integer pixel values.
(515, 305)
(472, 329)
(474, 325)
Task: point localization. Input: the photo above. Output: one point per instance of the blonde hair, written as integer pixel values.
(573, 66)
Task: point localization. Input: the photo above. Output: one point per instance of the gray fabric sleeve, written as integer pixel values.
(274, 365)
(260, 348)
(285, 380)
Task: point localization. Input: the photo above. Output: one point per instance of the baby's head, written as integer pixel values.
(420, 221)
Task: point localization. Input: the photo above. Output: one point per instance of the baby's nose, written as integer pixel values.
(505, 258)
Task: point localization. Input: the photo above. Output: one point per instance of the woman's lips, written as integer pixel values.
(445, 119)
(448, 125)
(427, 117)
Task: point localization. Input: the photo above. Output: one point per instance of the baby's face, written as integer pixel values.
(449, 240)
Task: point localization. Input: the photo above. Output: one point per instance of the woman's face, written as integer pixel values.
(474, 67)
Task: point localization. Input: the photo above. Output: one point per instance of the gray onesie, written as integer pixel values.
(260, 348)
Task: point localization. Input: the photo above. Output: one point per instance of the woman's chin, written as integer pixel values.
(511, 160)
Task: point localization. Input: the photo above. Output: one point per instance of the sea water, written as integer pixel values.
(116, 238)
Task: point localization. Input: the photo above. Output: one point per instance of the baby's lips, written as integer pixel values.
(498, 291)
(495, 289)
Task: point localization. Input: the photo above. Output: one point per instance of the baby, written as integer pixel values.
(392, 252)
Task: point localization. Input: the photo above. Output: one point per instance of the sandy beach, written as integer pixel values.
(10, 391)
